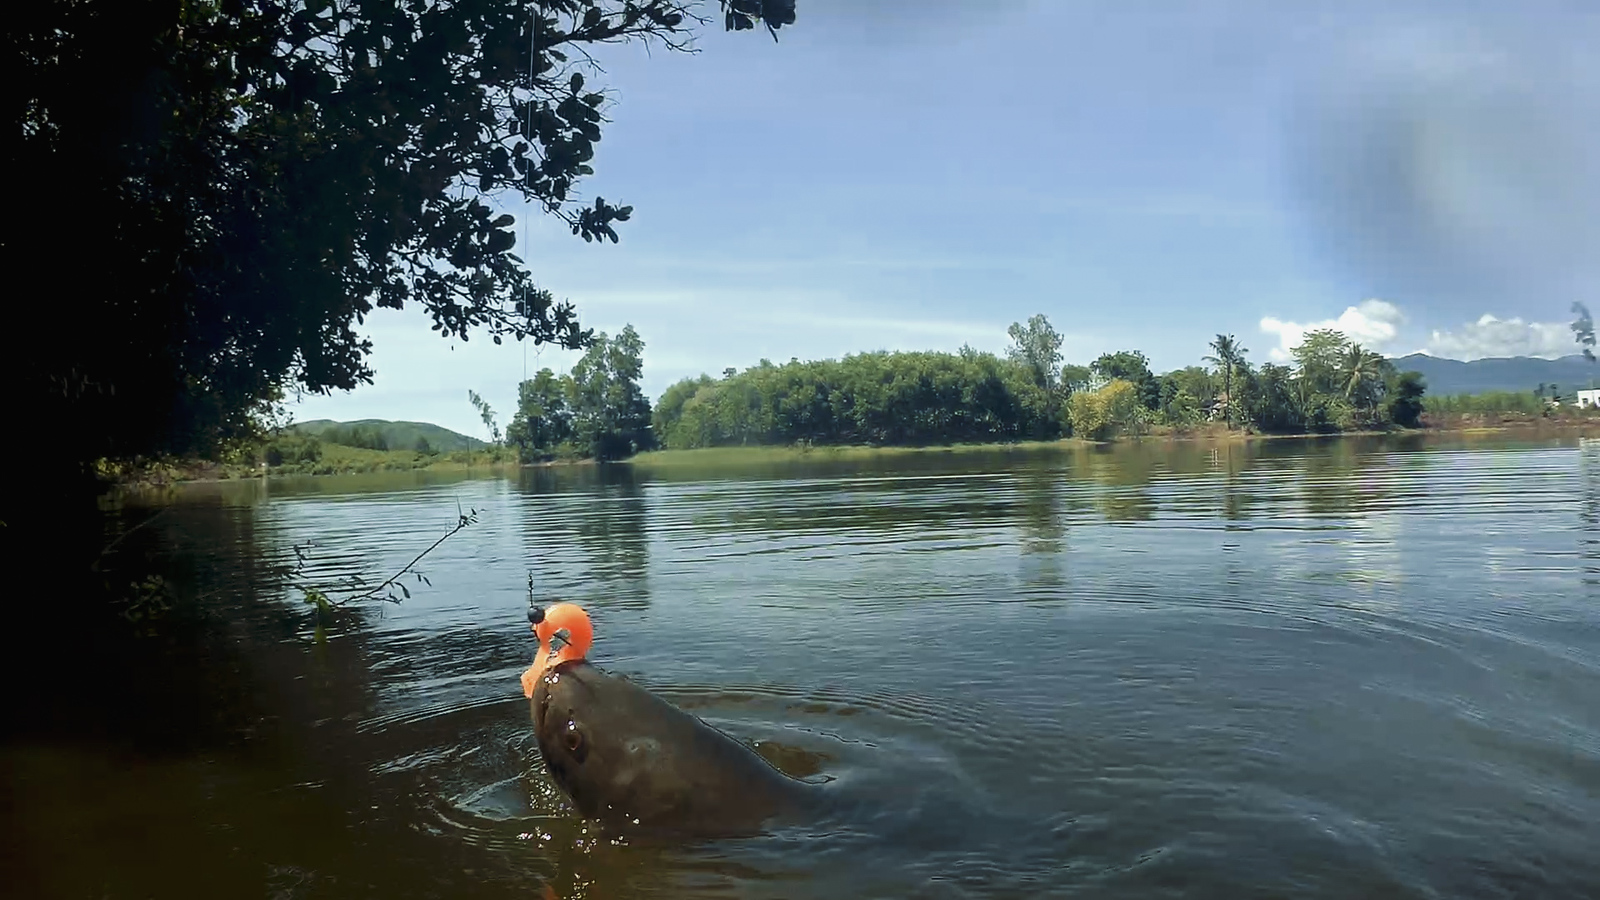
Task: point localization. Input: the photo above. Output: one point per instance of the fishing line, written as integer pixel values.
(527, 250)
(533, 58)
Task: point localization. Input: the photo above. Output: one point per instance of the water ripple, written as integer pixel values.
(1288, 669)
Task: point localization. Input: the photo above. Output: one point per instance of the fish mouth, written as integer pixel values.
(542, 689)
(541, 704)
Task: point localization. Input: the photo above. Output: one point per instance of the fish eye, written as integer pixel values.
(573, 738)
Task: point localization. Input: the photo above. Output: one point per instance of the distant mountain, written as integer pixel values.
(399, 435)
(1517, 373)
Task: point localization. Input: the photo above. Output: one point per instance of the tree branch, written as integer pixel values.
(384, 590)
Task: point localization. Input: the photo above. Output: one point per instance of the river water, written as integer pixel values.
(1344, 668)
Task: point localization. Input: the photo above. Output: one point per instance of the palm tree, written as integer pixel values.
(1226, 356)
(1359, 368)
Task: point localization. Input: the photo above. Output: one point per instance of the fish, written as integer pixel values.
(634, 762)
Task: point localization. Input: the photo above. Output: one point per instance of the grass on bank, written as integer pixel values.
(325, 459)
(300, 455)
(338, 459)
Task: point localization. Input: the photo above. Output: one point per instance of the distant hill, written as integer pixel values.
(398, 435)
(1517, 373)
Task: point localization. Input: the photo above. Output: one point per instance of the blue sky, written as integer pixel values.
(896, 174)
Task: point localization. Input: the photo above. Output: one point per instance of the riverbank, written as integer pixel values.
(1565, 420)
(712, 456)
(333, 459)
(1472, 424)
(336, 459)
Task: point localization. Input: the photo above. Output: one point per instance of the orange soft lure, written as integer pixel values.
(567, 627)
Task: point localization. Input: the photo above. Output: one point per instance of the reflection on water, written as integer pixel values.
(1589, 509)
(1292, 668)
(1043, 544)
(589, 547)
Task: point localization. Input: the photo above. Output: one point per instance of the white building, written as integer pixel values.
(1587, 399)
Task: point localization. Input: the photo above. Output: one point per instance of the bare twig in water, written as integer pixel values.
(462, 521)
(119, 538)
(323, 599)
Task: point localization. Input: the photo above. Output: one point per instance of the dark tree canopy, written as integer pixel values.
(878, 398)
(217, 192)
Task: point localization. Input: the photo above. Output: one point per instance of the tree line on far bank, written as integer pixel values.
(1027, 394)
(598, 409)
(906, 398)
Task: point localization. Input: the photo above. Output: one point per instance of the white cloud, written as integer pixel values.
(1371, 323)
(1491, 336)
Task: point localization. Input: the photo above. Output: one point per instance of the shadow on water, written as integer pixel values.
(216, 748)
(1291, 668)
(175, 754)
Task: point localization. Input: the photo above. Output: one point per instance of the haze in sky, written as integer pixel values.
(917, 174)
